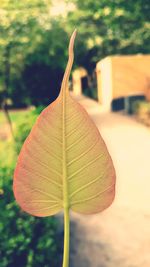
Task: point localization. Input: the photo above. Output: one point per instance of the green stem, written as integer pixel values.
(66, 237)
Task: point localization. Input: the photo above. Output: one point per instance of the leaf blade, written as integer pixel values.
(64, 160)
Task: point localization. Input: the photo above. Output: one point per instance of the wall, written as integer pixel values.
(77, 75)
(104, 81)
(130, 75)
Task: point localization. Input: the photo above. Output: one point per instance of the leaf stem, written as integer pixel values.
(66, 237)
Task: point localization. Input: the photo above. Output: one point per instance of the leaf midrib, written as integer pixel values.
(64, 161)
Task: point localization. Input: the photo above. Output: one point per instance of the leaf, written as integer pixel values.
(64, 162)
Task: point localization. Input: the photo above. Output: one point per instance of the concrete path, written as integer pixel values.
(119, 236)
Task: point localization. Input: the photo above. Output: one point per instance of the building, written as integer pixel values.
(79, 81)
(123, 76)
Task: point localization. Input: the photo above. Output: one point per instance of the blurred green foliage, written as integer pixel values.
(25, 241)
(32, 50)
(145, 105)
(142, 111)
(23, 126)
(109, 28)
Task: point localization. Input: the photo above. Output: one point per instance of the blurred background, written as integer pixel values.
(111, 79)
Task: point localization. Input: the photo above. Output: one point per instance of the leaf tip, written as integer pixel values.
(72, 39)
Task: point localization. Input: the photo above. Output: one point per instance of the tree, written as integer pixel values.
(22, 25)
(30, 36)
(110, 27)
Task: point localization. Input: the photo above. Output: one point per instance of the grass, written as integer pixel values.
(7, 153)
(14, 115)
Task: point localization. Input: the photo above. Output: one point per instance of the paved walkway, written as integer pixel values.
(119, 236)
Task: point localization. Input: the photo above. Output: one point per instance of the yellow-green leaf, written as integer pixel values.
(64, 162)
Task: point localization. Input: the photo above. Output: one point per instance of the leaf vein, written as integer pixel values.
(36, 160)
(45, 150)
(92, 197)
(41, 191)
(45, 208)
(85, 186)
(85, 166)
(74, 129)
(43, 177)
(44, 201)
(54, 139)
(77, 141)
(84, 153)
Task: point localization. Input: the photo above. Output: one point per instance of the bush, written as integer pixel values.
(23, 127)
(130, 100)
(25, 241)
(142, 111)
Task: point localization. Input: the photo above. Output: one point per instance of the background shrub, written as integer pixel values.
(25, 241)
(142, 111)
